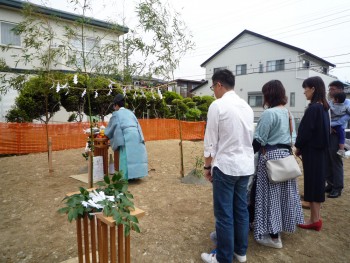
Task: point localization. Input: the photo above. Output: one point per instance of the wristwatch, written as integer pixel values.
(207, 167)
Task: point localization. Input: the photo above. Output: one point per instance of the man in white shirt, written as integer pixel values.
(229, 160)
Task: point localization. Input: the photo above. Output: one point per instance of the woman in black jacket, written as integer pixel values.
(312, 144)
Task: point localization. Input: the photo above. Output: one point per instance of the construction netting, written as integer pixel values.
(21, 138)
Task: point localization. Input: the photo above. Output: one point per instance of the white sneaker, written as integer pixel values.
(209, 258)
(240, 258)
(266, 240)
(213, 237)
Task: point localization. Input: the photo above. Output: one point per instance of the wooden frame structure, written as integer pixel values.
(100, 233)
(97, 233)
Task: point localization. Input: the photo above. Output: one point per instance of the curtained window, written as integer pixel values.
(8, 35)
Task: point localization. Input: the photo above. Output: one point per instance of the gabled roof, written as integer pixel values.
(16, 4)
(200, 85)
(270, 40)
(189, 80)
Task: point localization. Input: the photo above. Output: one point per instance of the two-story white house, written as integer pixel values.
(255, 59)
(97, 34)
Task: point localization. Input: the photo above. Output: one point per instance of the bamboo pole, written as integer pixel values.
(79, 239)
(182, 172)
(93, 238)
(127, 249)
(99, 240)
(120, 244)
(90, 180)
(113, 247)
(50, 156)
(86, 238)
(104, 232)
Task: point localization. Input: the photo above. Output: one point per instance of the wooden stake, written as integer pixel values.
(86, 238)
(120, 244)
(80, 241)
(90, 179)
(93, 238)
(127, 249)
(182, 172)
(50, 156)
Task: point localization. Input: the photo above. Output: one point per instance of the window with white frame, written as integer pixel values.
(255, 99)
(8, 35)
(241, 69)
(275, 65)
(292, 99)
(90, 46)
(220, 68)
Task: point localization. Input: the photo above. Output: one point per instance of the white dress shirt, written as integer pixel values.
(229, 135)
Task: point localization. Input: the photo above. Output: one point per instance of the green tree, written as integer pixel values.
(160, 56)
(179, 108)
(202, 104)
(36, 89)
(15, 114)
(193, 114)
(161, 38)
(87, 53)
(72, 99)
(169, 96)
(101, 97)
(44, 46)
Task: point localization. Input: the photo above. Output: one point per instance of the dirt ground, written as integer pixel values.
(178, 220)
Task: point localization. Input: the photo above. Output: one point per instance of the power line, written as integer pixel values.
(343, 63)
(314, 19)
(267, 32)
(337, 55)
(316, 29)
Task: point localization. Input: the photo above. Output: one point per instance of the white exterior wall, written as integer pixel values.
(15, 16)
(252, 51)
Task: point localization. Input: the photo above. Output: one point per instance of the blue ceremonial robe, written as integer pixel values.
(125, 135)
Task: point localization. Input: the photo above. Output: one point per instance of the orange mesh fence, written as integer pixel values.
(20, 138)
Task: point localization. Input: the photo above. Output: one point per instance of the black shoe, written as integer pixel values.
(334, 194)
(328, 188)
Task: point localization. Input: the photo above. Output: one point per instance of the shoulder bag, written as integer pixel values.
(286, 168)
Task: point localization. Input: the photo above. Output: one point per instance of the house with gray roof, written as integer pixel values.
(256, 59)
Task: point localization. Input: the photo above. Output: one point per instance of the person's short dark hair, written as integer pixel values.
(319, 94)
(339, 97)
(336, 83)
(274, 94)
(119, 100)
(225, 77)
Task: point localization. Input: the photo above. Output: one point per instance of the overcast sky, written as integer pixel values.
(320, 27)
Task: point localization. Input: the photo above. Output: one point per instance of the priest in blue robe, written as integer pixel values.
(125, 134)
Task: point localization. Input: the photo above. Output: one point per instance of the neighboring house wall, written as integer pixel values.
(255, 61)
(183, 86)
(13, 16)
(91, 36)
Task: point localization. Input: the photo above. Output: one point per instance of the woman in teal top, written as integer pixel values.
(277, 205)
(125, 134)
